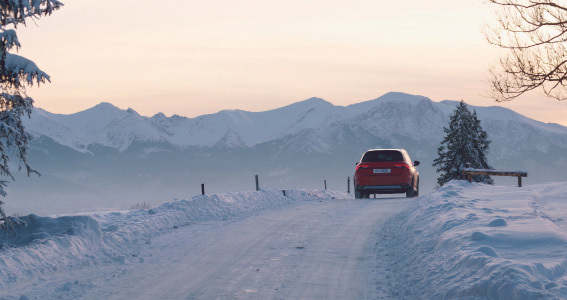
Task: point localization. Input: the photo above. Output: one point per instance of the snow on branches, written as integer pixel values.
(15, 73)
(21, 68)
(465, 143)
(17, 11)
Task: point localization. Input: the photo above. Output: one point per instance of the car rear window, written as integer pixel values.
(383, 155)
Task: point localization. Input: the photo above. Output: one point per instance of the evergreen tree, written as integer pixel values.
(465, 142)
(15, 73)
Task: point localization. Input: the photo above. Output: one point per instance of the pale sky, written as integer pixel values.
(196, 57)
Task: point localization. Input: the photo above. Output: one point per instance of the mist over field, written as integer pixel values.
(105, 158)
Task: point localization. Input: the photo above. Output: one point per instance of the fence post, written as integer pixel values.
(283, 192)
(325, 181)
(348, 185)
(202, 188)
(519, 181)
(257, 184)
(469, 176)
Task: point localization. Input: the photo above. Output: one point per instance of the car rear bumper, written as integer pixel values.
(380, 180)
(384, 189)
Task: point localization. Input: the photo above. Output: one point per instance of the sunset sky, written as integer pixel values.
(196, 57)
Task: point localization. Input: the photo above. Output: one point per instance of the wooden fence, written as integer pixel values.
(470, 172)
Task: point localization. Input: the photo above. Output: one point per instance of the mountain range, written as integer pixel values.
(109, 158)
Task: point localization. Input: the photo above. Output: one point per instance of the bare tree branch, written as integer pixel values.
(535, 34)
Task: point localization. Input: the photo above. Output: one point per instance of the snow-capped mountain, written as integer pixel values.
(392, 116)
(110, 126)
(107, 150)
(104, 125)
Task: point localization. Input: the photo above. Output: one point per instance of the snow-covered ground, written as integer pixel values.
(473, 241)
(464, 241)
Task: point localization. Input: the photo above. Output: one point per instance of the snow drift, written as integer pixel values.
(49, 244)
(473, 241)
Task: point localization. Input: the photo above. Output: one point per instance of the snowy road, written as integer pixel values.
(312, 250)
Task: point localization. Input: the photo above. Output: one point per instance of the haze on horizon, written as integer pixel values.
(196, 57)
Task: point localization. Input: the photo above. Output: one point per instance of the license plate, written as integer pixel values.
(381, 171)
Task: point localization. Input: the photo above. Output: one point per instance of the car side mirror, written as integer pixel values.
(356, 163)
(416, 163)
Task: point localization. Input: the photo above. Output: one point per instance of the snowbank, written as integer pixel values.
(473, 241)
(69, 242)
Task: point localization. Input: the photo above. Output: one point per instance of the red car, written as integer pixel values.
(386, 171)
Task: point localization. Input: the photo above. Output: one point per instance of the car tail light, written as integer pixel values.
(402, 166)
(362, 167)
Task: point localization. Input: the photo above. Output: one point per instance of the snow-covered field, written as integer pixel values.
(464, 241)
(473, 241)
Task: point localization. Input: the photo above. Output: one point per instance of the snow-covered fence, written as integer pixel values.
(469, 172)
(257, 181)
(257, 186)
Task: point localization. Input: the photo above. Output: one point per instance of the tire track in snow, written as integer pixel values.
(312, 250)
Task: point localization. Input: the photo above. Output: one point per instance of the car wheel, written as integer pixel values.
(411, 192)
(416, 194)
(358, 194)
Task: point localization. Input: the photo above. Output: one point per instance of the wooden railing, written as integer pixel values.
(470, 172)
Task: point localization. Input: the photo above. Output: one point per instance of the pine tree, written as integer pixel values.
(15, 73)
(465, 143)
